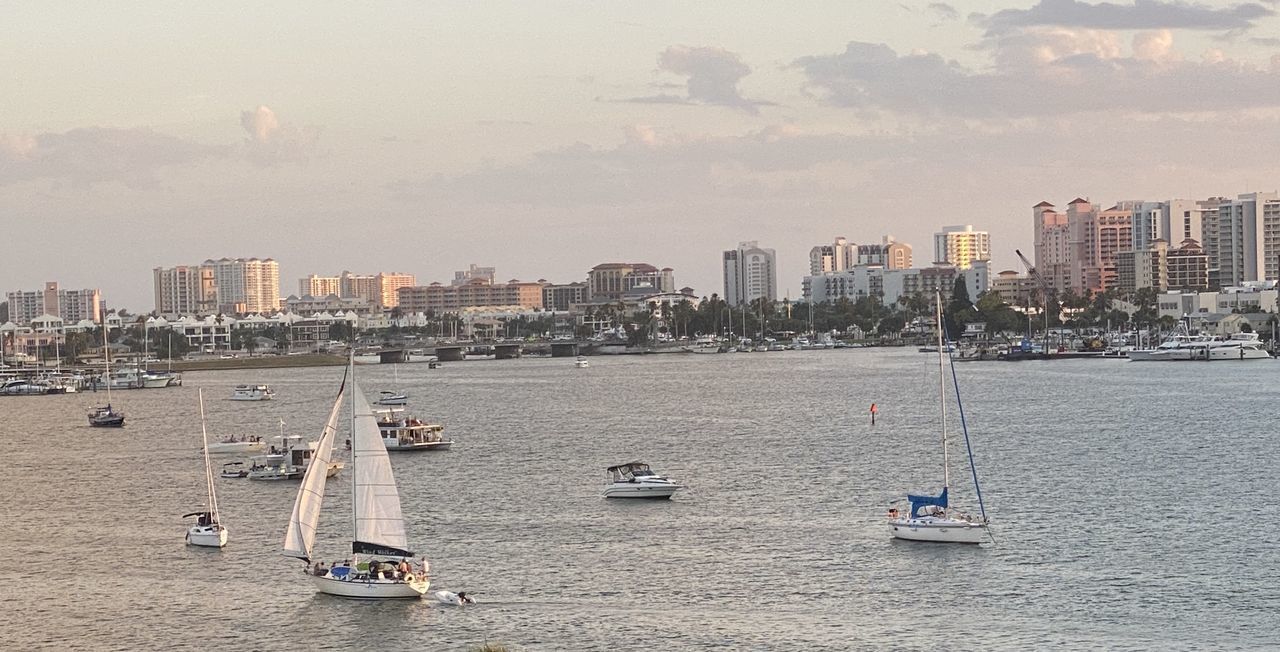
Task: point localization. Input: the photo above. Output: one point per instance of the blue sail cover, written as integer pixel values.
(918, 502)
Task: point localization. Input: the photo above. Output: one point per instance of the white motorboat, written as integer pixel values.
(927, 518)
(208, 530)
(637, 480)
(237, 446)
(1175, 347)
(704, 344)
(580, 363)
(158, 379)
(407, 433)
(289, 462)
(234, 470)
(1240, 346)
(252, 393)
(379, 537)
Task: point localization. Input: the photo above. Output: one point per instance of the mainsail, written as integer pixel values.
(379, 524)
(301, 535)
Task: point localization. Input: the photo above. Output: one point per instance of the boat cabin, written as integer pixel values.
(629, 472)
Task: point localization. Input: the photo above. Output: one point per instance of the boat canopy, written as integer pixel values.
(918, 502)
(629, 466)
(203, 514)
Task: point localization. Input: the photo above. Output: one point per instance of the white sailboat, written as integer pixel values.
(387, 397)
(380, 563)
(928, 518)
(208, 530)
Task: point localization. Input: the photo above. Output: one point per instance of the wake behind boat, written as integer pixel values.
(385, 571)
(927, 518)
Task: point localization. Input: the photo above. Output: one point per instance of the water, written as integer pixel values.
(1132, 503)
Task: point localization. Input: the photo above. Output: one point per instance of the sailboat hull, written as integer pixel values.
(375, 589)
(938, 530)
(207, 537)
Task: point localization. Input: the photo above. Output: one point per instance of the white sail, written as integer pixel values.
(301, 535)
(378, 521)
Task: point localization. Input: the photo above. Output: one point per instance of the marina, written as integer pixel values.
(775, 543)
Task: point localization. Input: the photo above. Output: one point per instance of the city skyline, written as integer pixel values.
(422, 138)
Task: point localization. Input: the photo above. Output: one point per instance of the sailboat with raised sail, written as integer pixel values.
(928, 518)
(105, 416)
(380, 564)
(208, 530)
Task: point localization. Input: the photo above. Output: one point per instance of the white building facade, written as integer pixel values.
(961, 245)
(750, 273)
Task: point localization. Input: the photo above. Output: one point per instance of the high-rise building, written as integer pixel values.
(476, 293)
(319, 286)
(1188, 267)
(70, 305)
(889, 254)
(1076, 250)
(359, 286)
(1248, 238)
(246, 285)
(836, 257)
(750, 273)
(611, 281)
(184, 290)
(961, 245)
(1143, 268)
(388, 287)
(893, 284)
(562, 297)
(1053, 252)
(473, 272)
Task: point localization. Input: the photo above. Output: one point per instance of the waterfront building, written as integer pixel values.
(961, 245)
(1188, 266)
(184, 289)
(610, 281)
(893, 284)
(70, 305)
(1014, 288)
(308, 304)
(564, 297)
(750, 273)
(477, 292)
(245, 285)
(319, 286)
(1253, 297)
(836, 257)
(1143, 268)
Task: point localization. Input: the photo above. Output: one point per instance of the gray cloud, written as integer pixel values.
(1041, 73)
(944, 10)
(1142, 14)
(97, 155)
(713, 76)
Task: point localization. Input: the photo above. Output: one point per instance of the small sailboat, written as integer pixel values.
(105, 416)
(928, 518)
(208, 530)
(380, 563)
(386, 397)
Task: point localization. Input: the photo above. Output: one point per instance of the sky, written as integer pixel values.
(544, 138)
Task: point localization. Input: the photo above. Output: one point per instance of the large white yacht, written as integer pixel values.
(408, 433)
(1176, 347)
(637, 480)
(1240, 346)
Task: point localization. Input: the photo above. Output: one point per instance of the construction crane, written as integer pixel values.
(1045, 289)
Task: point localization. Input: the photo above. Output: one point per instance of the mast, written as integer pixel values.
(351, 369)
(208, 470)
(106, 357)
(942, 397)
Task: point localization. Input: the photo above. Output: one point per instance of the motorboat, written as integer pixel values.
(106, 417)
(243, 445)
(927, 518)
(1240, 346)
(407, 433)
(208, 530)
(289, 462)
(379, 566)
(704, 344)
(392, 398)
(637, 480)
(580, 363)
(159, 379)
(252, 393)
(24, 387)
(234, 470)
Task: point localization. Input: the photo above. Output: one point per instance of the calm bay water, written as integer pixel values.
(1132, 503)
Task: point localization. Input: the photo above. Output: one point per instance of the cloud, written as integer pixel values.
(944, 10)
(1142, 14)
(713, 76)
(1042, 72)
(271, 142)
(92, 155)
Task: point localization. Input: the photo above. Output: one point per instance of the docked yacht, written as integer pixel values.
(637, 480)
(122, 378)
(1240, 346)
(1176, 347)
(407, 433)
(24, 387)
(252, 393)
(704, 344)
